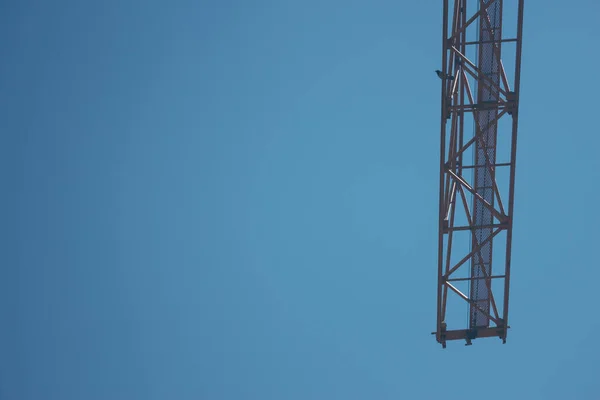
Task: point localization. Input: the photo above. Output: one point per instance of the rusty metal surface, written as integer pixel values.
(476, 187)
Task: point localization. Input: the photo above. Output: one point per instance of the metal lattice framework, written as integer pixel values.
(477, 168)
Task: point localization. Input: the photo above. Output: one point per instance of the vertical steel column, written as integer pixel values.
(442, 177)
(513, 158)
(489, 50)
(476, 201)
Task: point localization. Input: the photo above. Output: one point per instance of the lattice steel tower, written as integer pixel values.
(480, 101)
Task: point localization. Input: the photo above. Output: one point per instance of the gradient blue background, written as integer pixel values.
(238, 200)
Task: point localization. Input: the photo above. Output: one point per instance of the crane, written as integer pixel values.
(479, 121)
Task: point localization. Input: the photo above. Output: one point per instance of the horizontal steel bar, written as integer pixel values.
(462, 334)
(483, 166)
(475, 279)
(468, 228)
(500, 105)
(491, 41)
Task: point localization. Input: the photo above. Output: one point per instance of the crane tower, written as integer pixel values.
(481, 63)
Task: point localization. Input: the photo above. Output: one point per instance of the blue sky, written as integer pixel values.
(238, 200)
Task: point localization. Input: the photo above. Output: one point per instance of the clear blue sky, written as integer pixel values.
(238, 200)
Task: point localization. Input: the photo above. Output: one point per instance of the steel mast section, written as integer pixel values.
(477, 168)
